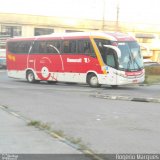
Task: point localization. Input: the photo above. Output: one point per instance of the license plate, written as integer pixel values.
(135, 81)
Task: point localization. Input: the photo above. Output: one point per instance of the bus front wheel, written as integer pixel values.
(30, 77)
(92, 80)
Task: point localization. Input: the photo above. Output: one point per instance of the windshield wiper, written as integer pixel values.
(129, 62)
(134, 60)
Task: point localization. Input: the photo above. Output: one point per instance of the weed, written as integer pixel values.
(40, 125)
(61, 135)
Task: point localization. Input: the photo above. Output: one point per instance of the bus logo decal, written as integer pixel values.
(45, 72)
(86, 60)
(74, 60)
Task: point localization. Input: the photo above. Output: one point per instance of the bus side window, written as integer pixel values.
(42, 47)
(35, 47)
(53, 46)
(110, 58)
(80, 48)
(85, 47)
(39, 47)
(100, 44)
(50, 49)
(66, 46)
(24, 47)
(72, 46)
(69, 46)
(19, 47)
(12, 47)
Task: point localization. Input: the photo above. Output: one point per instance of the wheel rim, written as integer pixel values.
(94, 81)
(30, 77)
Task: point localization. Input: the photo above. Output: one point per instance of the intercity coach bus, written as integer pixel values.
(94, 58)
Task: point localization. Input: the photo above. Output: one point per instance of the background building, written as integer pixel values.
(25, 25)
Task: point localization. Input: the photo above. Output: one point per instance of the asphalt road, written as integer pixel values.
(103, 125)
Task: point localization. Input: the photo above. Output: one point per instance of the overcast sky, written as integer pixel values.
(141, 11)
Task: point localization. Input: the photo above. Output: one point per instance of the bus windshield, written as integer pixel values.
(131, 58)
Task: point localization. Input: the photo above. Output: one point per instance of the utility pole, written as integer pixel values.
(117, 16)
(103, 14)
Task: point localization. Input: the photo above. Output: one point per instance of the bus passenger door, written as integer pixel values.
(110, 58)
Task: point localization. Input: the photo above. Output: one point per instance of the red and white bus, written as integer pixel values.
(94, 58)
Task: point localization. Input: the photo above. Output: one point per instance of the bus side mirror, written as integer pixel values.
(116, 49)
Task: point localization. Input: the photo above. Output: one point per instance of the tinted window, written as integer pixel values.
(100, 44)
(69, 46)
(19, 47)
(53, 47)
(110, 60)
(46, 47)
(78, 47)
(85, 47)
(109, 57)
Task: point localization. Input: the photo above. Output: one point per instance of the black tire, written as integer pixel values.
(30, 77)
(92, 80)
(114, 86)
(51, 82)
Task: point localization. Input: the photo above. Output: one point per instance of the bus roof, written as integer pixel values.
(114, 36)
(121, 36)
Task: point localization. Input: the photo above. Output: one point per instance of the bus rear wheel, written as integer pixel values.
(92, 80)
(30, 77)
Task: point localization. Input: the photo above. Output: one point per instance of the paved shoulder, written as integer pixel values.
(17, 137)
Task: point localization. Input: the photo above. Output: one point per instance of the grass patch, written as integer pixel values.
(152, 79)
(40, 125)
(152, 74)
(61, 135)
(5, 106)
(152, 70)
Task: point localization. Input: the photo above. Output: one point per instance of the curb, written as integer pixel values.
(127, 98)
